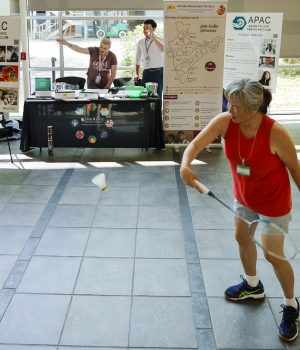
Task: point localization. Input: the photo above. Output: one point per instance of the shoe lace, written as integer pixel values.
(288, 313)
(241, 285)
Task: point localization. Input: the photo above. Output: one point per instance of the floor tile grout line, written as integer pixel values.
(78, 273)
(133, 266)
(73, 291)
(27, 252)
(189, 235)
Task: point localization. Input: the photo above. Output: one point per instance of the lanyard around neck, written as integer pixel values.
(101, 62)
(147, 47)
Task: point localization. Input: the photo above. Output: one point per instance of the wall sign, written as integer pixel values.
(9, 63)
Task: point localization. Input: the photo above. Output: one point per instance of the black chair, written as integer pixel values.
(72, 81)
(125, 81)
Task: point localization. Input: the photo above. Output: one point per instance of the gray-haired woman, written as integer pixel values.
(103, 63)
(260, 154)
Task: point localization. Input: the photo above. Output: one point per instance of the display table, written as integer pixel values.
(101, 123)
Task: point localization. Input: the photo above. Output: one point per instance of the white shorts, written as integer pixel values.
(250, 215)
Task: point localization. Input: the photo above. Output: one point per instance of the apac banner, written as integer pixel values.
(252, 47)
(194, 37)
(9, 63)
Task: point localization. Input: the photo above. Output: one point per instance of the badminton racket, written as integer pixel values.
(267, 243)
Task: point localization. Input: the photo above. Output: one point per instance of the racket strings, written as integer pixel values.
(285, 249)
(289, 249)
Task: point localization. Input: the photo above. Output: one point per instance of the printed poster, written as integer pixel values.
(9, 64)
(194, 37)
(252, 47)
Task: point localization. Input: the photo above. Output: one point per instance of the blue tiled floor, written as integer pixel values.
(141, 266)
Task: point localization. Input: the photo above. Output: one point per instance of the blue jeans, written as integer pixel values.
(154, 76)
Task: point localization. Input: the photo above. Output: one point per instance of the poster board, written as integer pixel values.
(9, 63)
(194, 37)
(252, 47)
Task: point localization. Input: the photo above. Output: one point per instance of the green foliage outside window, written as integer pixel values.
(129, 43)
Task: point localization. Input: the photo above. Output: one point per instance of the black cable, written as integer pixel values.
(6, 134)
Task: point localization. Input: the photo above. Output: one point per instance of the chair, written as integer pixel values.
(72, 81)
(125, 81)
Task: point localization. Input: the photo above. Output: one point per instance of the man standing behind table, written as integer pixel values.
(103, 63)
(150, 49)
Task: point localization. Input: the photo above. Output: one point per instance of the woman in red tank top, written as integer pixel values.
(261, 155)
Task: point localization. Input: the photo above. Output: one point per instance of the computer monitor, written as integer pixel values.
(42, 87)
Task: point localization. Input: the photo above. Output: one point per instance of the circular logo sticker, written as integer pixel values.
(104, 111)
(74, 123)
(103, 134)
(210, 66)
(92, 139)
(79, 111)
(79, 134)
(109, 123)
(91, 107)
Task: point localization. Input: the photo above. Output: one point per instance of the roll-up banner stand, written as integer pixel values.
(207, 48)
(9, 64)
(252, 47)
(194, 37)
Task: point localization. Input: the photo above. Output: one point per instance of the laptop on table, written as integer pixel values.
(42, 87)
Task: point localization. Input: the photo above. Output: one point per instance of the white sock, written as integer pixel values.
(290, 302)
(252, 280)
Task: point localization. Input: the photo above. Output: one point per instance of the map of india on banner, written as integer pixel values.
(194, 37)
(9, 64)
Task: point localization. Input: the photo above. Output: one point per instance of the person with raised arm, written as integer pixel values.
(103, 63)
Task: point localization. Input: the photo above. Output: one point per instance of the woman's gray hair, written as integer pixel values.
(106, 41)
(249, 93)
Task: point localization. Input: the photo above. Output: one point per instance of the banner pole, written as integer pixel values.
(24, 44)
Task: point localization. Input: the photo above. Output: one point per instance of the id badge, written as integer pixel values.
(243, 170)
(147, 58)
(98, 79)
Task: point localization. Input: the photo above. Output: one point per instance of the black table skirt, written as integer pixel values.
(102, 123)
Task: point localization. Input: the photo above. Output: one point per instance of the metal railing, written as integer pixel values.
(42, 30)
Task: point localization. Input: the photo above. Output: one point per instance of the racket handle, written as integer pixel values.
(202, 187)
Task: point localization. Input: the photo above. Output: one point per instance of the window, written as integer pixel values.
(287, 97)
(86, 28)
(83, 28)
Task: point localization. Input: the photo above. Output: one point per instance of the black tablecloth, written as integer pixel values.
(103, 123)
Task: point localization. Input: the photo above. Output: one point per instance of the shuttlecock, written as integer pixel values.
(100, 181)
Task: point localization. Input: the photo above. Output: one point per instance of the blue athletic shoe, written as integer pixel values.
(243, 291)
(288, 329)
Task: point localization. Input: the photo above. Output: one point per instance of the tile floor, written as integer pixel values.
(141, 266)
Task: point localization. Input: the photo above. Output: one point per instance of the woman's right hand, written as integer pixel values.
(189, 177)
